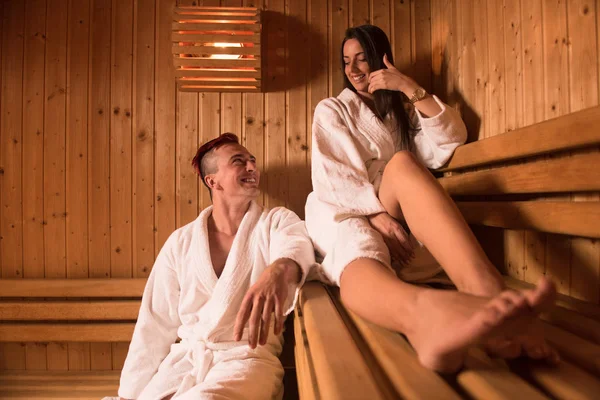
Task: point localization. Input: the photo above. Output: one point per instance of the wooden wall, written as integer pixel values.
(511, 63)
(96, 143)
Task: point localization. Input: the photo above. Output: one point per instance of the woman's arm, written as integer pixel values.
(440, 130)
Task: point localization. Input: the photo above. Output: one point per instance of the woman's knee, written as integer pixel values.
(403, 159)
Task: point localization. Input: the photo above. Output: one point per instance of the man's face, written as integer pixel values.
(236, 173)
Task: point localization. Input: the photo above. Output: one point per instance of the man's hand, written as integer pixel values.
(266, 296)
(394, 235)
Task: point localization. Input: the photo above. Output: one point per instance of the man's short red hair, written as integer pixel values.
(207, 147)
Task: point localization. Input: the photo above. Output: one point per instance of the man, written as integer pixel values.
(237, 263)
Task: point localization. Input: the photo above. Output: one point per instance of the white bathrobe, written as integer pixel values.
(184, 298)
(350, 149)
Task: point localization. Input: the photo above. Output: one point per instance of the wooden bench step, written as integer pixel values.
(564, 381)
(67, 332)
(53, 385)
(18, 375)
(131, 287)
(487, 379)
(399, 362)
(69, 310)
(45, 395)
(340, 370)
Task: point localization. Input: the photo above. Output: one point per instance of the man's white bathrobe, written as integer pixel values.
(184, 298)
(350, 149)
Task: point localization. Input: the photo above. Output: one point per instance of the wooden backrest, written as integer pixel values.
(555, 156)
(69, 310)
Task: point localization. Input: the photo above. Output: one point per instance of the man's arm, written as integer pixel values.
(293, 253)
(156, 327)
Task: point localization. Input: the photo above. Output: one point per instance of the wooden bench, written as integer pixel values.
(66, 310)
(80, 310)
(495, 182)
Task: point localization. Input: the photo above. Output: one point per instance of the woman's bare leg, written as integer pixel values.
(373, 292)
(409, 191)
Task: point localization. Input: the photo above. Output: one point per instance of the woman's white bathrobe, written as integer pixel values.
(350, 149)
(184, 298)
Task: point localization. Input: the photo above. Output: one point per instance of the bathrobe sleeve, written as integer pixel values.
(437, 137)
(339, 174)
(289, 239)
(156, 327)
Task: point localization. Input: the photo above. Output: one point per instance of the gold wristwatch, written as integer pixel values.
(418, 95)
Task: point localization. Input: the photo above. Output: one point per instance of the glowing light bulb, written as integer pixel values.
(226, 56)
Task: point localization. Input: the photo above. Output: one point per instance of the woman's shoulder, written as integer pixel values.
(337, 104)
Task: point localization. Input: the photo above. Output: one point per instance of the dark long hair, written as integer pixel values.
(375, 44)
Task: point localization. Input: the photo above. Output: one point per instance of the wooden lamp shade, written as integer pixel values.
(217, 49)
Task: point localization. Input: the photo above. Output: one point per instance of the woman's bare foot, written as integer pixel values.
(530, 343)
(452, 321)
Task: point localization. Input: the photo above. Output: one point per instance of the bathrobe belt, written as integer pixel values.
(200, 354)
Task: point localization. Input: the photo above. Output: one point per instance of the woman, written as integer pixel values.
(370, 185)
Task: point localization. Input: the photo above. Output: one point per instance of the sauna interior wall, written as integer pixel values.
(96, 142)
(512, 63)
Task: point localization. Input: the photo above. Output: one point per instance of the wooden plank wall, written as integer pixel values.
(96, 143)
(512, 63)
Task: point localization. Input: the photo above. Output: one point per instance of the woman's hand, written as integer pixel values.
(394, 235)
(391, 79)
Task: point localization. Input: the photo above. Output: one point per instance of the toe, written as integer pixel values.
(542, 297)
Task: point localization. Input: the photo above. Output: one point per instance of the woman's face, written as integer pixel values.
(356, 66)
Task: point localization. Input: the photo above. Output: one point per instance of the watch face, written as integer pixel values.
(420, 93)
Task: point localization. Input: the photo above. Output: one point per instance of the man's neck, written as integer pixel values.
(227, 216)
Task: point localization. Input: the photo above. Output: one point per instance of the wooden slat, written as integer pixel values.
(563, 381)
(58, 386)
(488, 379)
(192, 9)
(55, 332)
(399, 361)
(69, 310)
(345, 376)
(338, 23)
(307, 381)
(165, 129)
(177, 49)
(574, 322)
(72, 287)
(24, 376)
(541, 138)
(207, 75)
(297, 129)
(571, 347)
(225, 83)
(230, 26)
(59, 395)
(205, 88)
(33, 171)
(11, 158)
(567, 218)
(99, 157)
(211, 17)
(187, 122)
(216, 63)
(275, 106)
(143, 132)
(574, 174)
(215, 38)
(582, 307)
